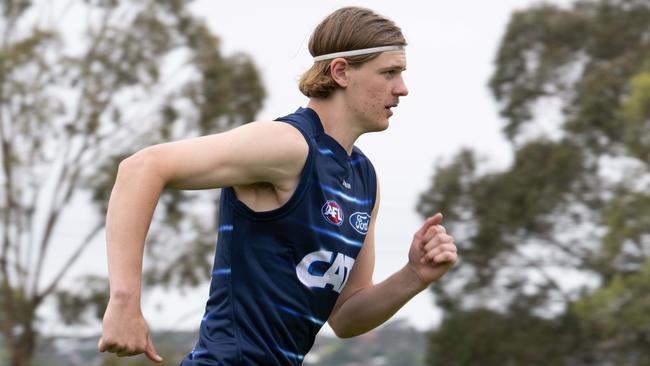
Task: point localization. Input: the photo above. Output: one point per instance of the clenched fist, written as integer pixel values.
(125, 332)
(432, 251)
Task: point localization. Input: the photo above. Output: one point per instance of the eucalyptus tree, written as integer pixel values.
(84, 84)
(563, 233)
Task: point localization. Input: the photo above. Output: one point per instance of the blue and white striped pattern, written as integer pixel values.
(225, 228)
(290, 354)
(197, 352)
(344, 196)
(336, 235)
(299, 315)
(325, 151)
(221, 272)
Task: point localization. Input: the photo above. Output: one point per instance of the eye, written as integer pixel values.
(391, 73)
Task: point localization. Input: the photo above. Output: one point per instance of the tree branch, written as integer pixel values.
(54, 213)
(564, 248)
(51, 222)
(6, 287)
(554, 284)
(66, 267)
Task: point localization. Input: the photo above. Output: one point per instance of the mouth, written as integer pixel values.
(388, 108)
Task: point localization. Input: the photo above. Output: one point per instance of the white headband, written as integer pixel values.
(363, 51)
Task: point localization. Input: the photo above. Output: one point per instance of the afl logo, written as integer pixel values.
(360, 222)
(332, 213)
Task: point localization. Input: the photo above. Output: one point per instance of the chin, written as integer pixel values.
(384, 126)
(378, 126)
(384, 122)
(376, 123)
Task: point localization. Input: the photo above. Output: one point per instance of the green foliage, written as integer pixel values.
(450, 184)
(393, 344)
(520, 197)
(637, 106)
(636, 113)
(577, 204)
(624, 247)
(4, 354)
(91, 293)
(585, 55)
(616, 317)
(502, 205)
(513, 338)
(533, 60)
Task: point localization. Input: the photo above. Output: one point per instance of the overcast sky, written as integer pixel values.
(452, 45)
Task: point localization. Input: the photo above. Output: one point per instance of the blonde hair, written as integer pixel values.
(349, 28)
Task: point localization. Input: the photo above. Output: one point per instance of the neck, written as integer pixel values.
(337, 122)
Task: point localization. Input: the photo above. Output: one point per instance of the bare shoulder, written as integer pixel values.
(276, 144)
(280, 135)
(261, 151)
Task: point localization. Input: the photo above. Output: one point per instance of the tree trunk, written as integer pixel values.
(22, 351)
(20, 358)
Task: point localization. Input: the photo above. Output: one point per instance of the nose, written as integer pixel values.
(401, 89)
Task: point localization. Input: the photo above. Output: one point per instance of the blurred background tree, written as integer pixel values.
(76, 97)
(396, 343)
(555, 249)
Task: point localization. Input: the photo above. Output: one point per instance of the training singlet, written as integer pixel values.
(277, 274)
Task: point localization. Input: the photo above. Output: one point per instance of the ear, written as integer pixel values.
(339, 70)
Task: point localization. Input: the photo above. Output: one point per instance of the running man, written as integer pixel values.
(299, 204)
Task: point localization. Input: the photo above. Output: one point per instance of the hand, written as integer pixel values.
(432, 251)
(125, 332)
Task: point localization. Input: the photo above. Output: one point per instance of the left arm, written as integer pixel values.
(363, 305)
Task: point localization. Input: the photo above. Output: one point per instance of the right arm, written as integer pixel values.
(257, 152)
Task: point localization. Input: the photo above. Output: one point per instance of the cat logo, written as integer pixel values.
(321, 268)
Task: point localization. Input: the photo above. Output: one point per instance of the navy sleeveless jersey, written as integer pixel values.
(277, 274)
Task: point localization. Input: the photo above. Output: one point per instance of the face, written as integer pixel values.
(374, 89)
